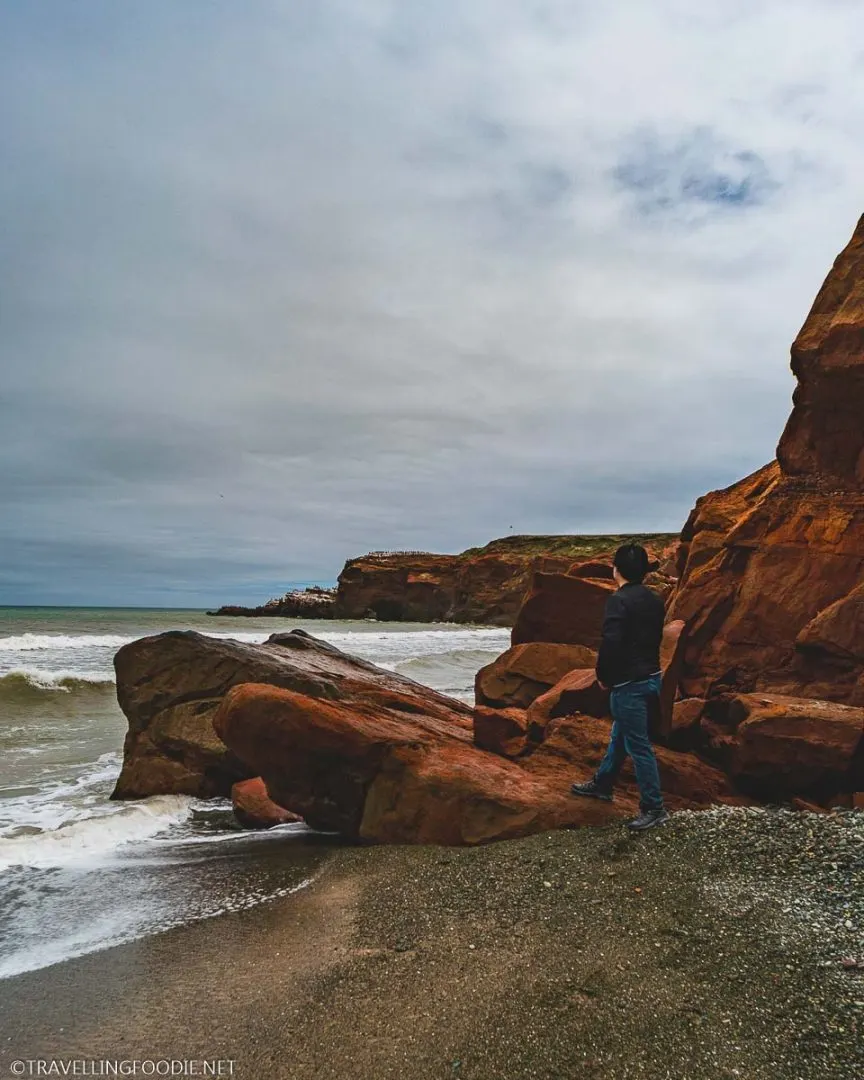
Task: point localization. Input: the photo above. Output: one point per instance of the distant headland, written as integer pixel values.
(481, 585)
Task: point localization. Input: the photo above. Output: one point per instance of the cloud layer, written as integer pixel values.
(281, 283)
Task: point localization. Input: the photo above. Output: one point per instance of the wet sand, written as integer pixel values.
(582, 954)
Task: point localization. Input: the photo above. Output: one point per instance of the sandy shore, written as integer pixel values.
(709, 950)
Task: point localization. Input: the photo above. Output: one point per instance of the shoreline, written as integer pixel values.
(710, 949)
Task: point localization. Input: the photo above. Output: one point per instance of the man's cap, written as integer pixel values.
(631, 560)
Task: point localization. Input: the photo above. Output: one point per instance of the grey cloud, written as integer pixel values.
(283, 283)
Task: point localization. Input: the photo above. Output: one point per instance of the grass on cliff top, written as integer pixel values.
(578, 546)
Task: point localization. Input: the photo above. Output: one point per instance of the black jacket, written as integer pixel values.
(632, 632)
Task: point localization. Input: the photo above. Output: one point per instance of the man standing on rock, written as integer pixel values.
(628, 664)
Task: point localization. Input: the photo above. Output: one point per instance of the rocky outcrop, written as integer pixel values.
(771, 568)
(386, 772)
(170, 686)
(398, 586)
(254, 808)
(352, 748)
(482, 585)
(311, 603)
(824, 437)
(524, 672)
(776, 746)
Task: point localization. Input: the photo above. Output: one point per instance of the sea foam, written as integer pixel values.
(97, 835)
(30, 642)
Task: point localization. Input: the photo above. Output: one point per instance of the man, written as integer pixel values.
(628, 664)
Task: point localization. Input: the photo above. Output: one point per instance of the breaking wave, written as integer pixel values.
(42, 642)
(97, 835)
(27, 684)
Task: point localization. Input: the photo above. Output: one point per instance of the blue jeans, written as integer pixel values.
(629, 705)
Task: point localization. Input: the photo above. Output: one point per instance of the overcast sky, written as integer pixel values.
(284, 281)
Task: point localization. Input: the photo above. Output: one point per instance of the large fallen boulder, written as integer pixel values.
(170, 685)
(563, 609)
(524, 672)
(777, 746)
(387, 772)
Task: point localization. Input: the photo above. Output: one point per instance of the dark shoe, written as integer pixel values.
(648, 819)
(593, 789)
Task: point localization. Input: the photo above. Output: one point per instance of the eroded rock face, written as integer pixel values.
(771, 569)
(398, 587)
(170, 685)
(823, 437)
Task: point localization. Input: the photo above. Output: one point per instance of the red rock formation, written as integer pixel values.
(350, 747)
(400, 586)
(169, 686)
(482, 585)
(255, 809)
(563, 609)
(824, 437)
(490, 586)
(501, 731)
(771, 568)
(385, 772)
(524, 672)
(780, 746)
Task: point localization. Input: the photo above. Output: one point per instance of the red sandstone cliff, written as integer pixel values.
(771, 568)
(482, 585)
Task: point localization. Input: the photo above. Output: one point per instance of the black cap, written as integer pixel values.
(631, 561)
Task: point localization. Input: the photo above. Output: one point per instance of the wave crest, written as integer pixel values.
(30, 642)
(30, 683)
(95, 836)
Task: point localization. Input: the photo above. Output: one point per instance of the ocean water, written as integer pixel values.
(79, 872)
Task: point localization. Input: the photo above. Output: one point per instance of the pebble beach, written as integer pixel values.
(729, 943)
